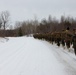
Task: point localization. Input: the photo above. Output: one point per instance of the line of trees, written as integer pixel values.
(46, 25)
(34, 26)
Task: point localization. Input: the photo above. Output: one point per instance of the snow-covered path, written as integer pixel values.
(28, 56)
(65, 57)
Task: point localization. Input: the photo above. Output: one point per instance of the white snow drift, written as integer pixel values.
(29, 56)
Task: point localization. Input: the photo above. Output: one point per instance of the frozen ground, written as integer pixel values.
(29, 56)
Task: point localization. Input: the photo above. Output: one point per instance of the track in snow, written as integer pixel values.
(28, 56)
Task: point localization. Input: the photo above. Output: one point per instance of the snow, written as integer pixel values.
(3, 39)
(29, 56)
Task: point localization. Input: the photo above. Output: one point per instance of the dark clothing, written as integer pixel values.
(68, 44)
(58, 41)
(74, 43)
(63, 42)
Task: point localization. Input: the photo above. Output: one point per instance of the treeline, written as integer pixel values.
(45, 25)
(48, 25)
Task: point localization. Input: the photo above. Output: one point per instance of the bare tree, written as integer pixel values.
(5, 19)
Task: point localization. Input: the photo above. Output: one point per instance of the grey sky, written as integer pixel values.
(27, 9)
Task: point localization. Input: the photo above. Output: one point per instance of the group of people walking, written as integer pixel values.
(65, 37)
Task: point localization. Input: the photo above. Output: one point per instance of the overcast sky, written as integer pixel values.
(26, 9)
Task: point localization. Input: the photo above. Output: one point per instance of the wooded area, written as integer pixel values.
(34, 26)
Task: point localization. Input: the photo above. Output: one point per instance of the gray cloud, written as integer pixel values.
(26, 9)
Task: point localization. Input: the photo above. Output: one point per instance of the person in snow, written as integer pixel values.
(58, 39)
(68, 37)
(74, 41)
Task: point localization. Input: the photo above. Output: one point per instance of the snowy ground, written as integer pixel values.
(29, 56)
(3, 40)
